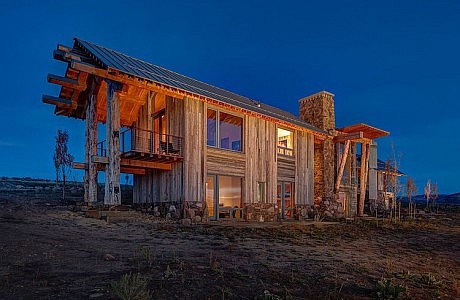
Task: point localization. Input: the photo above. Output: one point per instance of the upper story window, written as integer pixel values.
(224, 130)
(285, 142)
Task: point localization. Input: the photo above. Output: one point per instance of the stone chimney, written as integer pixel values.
(318, 110)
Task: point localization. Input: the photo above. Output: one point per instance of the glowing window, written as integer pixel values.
(285, 142)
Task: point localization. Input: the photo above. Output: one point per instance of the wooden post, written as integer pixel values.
(91, 148)
(112, 172)
(342, 166)
(363, 177)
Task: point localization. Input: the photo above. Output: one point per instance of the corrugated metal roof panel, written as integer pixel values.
(106, 58)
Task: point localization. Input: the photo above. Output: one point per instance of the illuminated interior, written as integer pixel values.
(285, 142)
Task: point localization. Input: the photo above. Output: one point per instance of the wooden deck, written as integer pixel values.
(152, 157)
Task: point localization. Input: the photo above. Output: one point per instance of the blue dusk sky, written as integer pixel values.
(391, 64)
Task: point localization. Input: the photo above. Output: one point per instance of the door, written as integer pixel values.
(285, 199)
(224, 197)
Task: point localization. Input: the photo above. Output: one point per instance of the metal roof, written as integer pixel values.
(107, 58)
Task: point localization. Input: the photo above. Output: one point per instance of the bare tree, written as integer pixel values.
(411, 190)
(427, 191)
(62, 158)
(392, 184)
(434, 193)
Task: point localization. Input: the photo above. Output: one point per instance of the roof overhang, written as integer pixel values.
(368, 132)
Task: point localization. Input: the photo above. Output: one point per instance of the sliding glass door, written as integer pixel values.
(224, 197)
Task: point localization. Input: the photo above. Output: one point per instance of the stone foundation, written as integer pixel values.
(196, 212)
(305, 212)
(261, 212)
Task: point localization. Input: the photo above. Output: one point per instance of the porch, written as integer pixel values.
(146, 145)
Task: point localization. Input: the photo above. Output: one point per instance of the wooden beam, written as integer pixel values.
(348, 136)
(67, 82)
(79, 165)
(128, 164)
(136, 171)
(363, 177)
(91, 147)
(342, 166)
(112, 174)
(99, 159)
(145, 164)
(59, 102)
(64, 48)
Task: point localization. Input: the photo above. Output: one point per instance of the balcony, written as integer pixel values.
(145, 145)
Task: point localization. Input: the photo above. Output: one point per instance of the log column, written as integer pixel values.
(112, 172)
(363, 177)
(91, 148)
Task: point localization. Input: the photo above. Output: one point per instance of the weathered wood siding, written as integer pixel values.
(193, 121)
(260, 155)
(159, 185)
(225, 162)
(304, 168)
(287, 168)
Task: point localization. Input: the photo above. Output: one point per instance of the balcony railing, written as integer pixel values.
(285, 151)
(136, 140)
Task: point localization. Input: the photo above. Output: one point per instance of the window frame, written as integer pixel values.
(218, 210)
(218, 131)
(285, 149)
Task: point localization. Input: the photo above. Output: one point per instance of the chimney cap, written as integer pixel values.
(318, 95)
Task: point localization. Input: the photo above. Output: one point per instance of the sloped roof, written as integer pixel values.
(106, 58)
(368, 131)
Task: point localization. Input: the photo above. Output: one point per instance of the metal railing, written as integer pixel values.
(146, 141)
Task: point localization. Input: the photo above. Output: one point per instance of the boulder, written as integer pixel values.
(186, 222)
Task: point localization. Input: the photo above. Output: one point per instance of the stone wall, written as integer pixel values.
(318, 110)
(261, 212)
(305, 212)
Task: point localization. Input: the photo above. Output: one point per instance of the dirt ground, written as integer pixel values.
(55, 252)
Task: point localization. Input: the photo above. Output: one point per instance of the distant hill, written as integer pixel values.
(452, 199)
(26, 188)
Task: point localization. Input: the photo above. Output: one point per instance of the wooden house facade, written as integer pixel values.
(197, 151)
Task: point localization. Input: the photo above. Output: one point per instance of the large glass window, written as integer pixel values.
(224, 196)
(229, 191)
(211, 129)
(225, 134)
(285, 142)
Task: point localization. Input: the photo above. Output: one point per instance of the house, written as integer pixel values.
(199, 151)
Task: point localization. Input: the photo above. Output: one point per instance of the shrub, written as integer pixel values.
(132, 287)
(385, 289)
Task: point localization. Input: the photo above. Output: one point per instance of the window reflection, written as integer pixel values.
(211, 128)
(225, 134)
